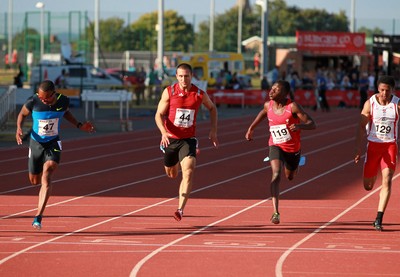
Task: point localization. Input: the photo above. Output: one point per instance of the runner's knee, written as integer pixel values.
(171, 172)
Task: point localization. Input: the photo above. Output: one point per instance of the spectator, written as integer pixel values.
(6, 61)
(14, 58)
(61, 81)
(363, 89)
(234, 82)
(139, 87)
(371, 80)
(219, 82)
(321, 87)
(275, 75)
(257, 63)
(345, 84)
(18, 79)
(228, 78)
(330, 81)
(307, 81)
(294, 83)
(264, 83)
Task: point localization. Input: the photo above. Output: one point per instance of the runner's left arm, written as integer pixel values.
(306, 121)
(213, 119)
(87, 126)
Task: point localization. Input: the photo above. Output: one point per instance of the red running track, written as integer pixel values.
(111, 210)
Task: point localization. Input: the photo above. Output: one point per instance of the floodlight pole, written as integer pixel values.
(264, 35)
(212, 12)
(240, 20)
(40, 5)
(160, 40)
(352, 20)
(96, 33)
(10, 27)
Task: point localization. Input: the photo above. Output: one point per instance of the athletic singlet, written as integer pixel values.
(46, 119)
(383, 123)
(183, 107)
(280, 135)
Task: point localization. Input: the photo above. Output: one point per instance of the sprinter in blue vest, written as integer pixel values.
(47, 108)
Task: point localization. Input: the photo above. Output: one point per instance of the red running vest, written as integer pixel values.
(183, 107)
(280, 135)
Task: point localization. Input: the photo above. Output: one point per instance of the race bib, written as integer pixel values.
(184, 118)
(384, 131)
(280, 133)
(48, 127)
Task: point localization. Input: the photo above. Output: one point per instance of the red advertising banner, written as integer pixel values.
(305, 97)
(331, 42)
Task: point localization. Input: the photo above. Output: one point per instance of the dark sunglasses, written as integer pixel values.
(48, 97)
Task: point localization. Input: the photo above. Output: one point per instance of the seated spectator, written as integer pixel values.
(345, 84)
(307, 82)
(234, 83)
(220, 80)
(330, 81)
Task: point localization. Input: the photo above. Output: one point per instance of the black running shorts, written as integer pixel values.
(178, 149)
(290, 160)
(39, 153)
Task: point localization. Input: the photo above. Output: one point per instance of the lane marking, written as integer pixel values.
(117, 217)
(157, 204)
(144, 208)
(138, 266)
(135, 138)
(279, 264)
(152, 147)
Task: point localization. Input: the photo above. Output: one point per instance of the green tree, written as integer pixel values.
(144, 33)
(321, 20)
(29, 36)
(113, 34)
(178, 34)
(370, 32)
(226, 30)
(283, 20)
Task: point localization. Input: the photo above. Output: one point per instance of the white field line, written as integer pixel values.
(282, 258)
(154, 205)
(137, 267)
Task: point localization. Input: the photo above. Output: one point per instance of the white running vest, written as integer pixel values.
(383, 126)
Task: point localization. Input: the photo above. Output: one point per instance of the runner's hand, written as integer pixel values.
(18, 136)
(87, 127)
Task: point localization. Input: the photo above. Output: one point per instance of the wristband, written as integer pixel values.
(79, 125)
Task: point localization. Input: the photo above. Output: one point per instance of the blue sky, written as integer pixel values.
(364, 8)
(367, 11)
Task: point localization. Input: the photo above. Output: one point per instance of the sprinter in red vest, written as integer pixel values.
(285, 120)
(176, 119)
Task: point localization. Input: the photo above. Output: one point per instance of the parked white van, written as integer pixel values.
(77, 76)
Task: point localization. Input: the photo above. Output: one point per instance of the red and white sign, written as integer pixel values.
(331, 42)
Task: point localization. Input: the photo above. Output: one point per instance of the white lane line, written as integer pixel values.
(138, 266)
(127, 184)
(149, 147)
(118, 217)
(143, 180)
(79, 230)
(156, 204)
(117, 142)
(279, 264)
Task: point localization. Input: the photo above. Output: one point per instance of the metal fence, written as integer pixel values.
(7, 104)
(70, 26)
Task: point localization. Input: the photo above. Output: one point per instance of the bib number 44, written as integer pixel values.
(184, 118)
